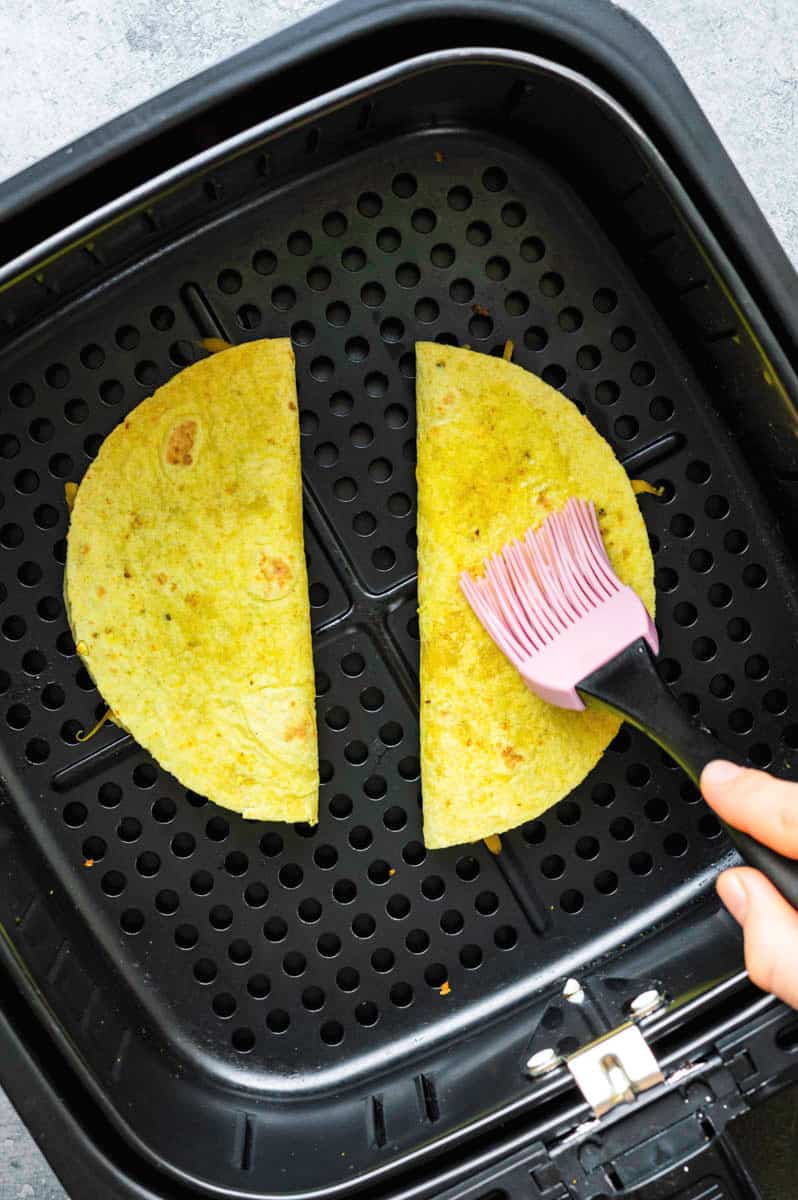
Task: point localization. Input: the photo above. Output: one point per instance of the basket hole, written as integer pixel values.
(129, 829)
(347, 979)
(554, 375)
(278, 1020)
(435, 975)
(340, 806)
(201, 883)
(414, 854)
(433, 887)
(661, 408)
(398, 907)
(423, 220)
(344, 891)
(606, 882)
(379, 872)
(167, 903)
(622, 829)
(383, 960)
(205, 970)
(738, 629)
(294, 964)
(551, 284)
(256, 895)
(186, 937)
(467, 868)
(183, 845)
(675, 844)
(75, 814)
(513, 214)
(165, 810)
(329, 945)
(325, 857)
(291, 875)
(148, 863)
(217, 829)
(532, 249)
(571, 901)
(534, 833)
(486, 903)
(417, 941)
(113, 883)
(132, 921)
(553, 866)
(310, 911)
(506, 936)
(275, 929)
(334, 224)
(360, 837)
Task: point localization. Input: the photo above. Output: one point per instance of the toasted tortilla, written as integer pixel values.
(498, 450)
(186, 583)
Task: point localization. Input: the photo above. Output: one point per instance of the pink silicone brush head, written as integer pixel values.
(553, 604)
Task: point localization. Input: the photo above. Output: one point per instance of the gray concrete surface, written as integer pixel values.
(69, 65)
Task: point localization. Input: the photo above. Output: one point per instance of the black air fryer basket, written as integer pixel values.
(223, 1007)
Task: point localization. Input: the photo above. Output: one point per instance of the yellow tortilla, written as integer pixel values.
(186, 583)
(498, 450)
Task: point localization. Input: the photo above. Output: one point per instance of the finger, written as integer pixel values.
(770, 931)
(755, 802)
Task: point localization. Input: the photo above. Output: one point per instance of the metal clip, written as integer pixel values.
(615, 1068)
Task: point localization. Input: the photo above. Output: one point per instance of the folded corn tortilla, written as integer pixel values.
(186, 583)
(498, 450)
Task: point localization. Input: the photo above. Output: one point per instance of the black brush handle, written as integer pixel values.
(630, 685)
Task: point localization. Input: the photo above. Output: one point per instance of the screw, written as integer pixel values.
(573, 991)
(543, 1062)
(646, 1002)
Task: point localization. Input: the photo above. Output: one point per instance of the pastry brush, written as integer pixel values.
(578, 636)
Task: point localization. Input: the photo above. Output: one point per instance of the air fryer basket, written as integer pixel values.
(277, 992)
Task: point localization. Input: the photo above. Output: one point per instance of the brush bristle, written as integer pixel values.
(535, 589)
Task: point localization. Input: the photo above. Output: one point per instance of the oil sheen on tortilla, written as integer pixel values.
(498, 450)
(186, 583)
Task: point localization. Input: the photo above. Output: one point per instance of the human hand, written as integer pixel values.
(767, 809)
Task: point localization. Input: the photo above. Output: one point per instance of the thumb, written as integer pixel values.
(755, 802)
(770, 930)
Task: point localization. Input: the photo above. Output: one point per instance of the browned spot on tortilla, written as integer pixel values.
(292, 406)
(192, 598)
(126, 573)
(276, 572)
(100, 590)
(161, 578)
(181, 443)
(300, 730)
(511, 756)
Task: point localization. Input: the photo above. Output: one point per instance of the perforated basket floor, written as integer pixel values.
(289, 959)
